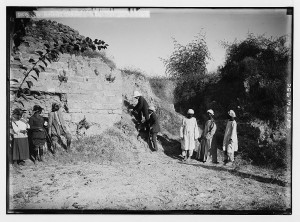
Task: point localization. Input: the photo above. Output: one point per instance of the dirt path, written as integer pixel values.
(156, 182)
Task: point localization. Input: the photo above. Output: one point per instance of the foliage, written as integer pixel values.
(255, 72)
(66, 43)
(162, 88)
(189, 60)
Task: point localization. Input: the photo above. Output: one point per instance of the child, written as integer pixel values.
(230, 142)
(189, 132)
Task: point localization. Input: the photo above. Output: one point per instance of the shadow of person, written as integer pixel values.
(243, 174)
(171, 147)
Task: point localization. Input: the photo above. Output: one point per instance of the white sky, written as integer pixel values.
(141, 42)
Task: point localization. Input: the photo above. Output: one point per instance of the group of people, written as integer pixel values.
(32, 132)
(189, 132)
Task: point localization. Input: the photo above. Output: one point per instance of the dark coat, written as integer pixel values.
(142, 106)
(154, 123)
(36, 123)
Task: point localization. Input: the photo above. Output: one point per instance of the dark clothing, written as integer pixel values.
(20, 149)
(154, 123)
(154, 141)
(38, 135)
(142, 109)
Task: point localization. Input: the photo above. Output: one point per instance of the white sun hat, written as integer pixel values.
(190, 111)
(211, 111)
(231, 113)
(152, 108)
(136, 94)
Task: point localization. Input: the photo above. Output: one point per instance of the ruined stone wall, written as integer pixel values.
(93, 90)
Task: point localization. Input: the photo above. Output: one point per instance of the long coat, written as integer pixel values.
(154, 123)
(142, 107)
(230, 134)
(189, 132)
(38, 135)
(205, 146)
(56, 126)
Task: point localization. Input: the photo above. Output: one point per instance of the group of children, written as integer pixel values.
(189, 133)
(32, 132)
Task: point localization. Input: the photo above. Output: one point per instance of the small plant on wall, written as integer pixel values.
(63, 77)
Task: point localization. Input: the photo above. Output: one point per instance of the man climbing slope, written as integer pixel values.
(141, 107)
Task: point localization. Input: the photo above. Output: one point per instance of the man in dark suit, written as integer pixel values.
(154, 127)
(141, 107)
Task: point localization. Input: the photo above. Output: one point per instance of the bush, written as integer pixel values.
(162, 88)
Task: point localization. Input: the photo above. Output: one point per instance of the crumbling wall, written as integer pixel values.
(91, 90)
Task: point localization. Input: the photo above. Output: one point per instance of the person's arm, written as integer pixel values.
(196, 131)
(181, 129)
(212, 130)
(15, 128)
(233, 131)
(139, 105)
(50, 123)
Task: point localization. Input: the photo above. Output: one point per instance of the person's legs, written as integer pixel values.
(69, 140)
(154, 140)
(190, 154)
(41, 152)
(225, 160)
(184, 154)
(54, 139)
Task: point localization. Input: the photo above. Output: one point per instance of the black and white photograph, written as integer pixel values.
(149, 110)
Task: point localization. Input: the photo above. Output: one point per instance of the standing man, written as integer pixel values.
(141, 107)
(57, 127)
(154, 127)
(230, 142)
(206, 139)
(38, 136)
(189, 132)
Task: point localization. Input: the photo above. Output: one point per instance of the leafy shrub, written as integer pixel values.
(161, 86)
(133, 71)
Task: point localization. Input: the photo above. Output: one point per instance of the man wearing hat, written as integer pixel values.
(154, 126)
(230, 141)
(57, 127)
(206, 139)
(141, 107)
(189, 133)
(38, 136)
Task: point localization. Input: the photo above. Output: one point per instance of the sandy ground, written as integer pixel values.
(155, 182)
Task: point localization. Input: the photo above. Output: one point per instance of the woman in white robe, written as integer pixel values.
(230, 141)
(189, 133)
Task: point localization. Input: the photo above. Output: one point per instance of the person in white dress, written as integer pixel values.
(189, 133)
(230, 141)
(19, 128)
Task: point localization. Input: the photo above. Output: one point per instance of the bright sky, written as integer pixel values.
(141, 42)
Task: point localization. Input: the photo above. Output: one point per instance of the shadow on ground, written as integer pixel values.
(244, 175)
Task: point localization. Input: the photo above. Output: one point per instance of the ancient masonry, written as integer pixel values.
(92, 90)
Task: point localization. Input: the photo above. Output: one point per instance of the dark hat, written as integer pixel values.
(37, 108)
(55, 106)
(18, 111)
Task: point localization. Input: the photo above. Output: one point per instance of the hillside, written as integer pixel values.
(116, 170)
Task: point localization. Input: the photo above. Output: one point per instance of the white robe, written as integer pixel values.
(189, 132)
(230, 133)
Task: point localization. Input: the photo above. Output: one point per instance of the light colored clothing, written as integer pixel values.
(205, 145)
(57, 124)
(189, 132)
(230, 142)
(18, 126)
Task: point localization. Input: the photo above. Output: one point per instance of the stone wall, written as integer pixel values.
(93, 90)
